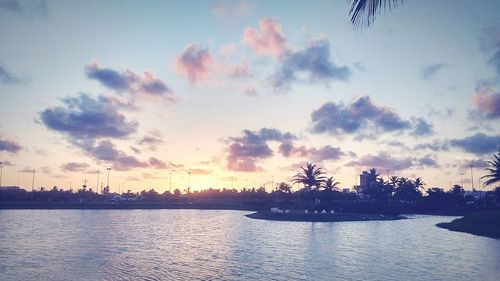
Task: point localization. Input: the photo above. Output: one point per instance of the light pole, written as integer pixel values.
(33, 182)
(189, 181)
(472, 177)
(107, 185)
(462, 180)
(97, 184)
(1, 170)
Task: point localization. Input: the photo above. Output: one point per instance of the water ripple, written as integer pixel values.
(225, 245)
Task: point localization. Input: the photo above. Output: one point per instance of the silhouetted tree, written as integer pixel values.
(494, 171)
(310, 176)
(330, 189)
(363, 12)
(284, 187)
(375, 187)
(330, 184)
(457, 195)
(408, 190)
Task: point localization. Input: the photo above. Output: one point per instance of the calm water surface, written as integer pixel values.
(225, 245)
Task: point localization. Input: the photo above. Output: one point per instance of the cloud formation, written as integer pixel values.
(194, 62)
(8, 78)
(157, 163)
(323, 153)
(105, 150)
(429, 71)
(245, 151)
(465, 164)
(85, 117)
(9, 145)
(422, 128)
(362, 115)
(382, 161)
(435, 145)
(478, 144)
(268, 39)
(427, 161)
(152, 140)
(74, 167)
(199, 171)
(233, 9)
(487, 102)
(25, 8)
(88, 122)
(128, 81)
(314, 61)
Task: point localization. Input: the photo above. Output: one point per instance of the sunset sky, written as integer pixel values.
(242, 93)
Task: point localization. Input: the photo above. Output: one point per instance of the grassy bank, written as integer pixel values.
(481, 223)
(296, 215)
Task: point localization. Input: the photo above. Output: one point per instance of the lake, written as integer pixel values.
(226, 245)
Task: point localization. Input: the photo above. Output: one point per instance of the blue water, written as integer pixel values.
(225, 245)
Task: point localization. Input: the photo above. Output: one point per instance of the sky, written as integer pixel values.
(171, 94)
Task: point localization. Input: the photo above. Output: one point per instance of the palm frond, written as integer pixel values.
(363, 12)
(494, 171)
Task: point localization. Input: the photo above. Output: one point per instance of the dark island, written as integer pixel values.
(480, 223)
(305, 216)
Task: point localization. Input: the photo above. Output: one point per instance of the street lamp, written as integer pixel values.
(1, 170)
(97, 183)
(107, 185)
(472, 177)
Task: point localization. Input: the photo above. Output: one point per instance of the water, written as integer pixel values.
(225, 245)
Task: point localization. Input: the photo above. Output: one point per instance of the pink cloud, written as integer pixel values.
(240, 70)
(268, 39)
(194, 63)
(227, 49)
(199, 171)
(487, 102)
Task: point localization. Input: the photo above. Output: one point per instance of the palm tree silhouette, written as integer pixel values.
(373, 177)
(494, 169)
(310, 176)
(330, 184)
(284, 187)
(419, 183)
(363, 12)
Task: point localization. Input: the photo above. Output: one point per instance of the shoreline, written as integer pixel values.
(124, 206)
(485, 224)
(319, 217)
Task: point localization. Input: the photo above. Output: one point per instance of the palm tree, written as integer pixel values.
(284, 187)
(310, 176)
(419, 183)
(408, 190)
(363, 12)
(330, 184)
(393, 181)
(494, 169)
(373, 176)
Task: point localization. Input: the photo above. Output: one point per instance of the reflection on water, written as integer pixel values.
(225, 245)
